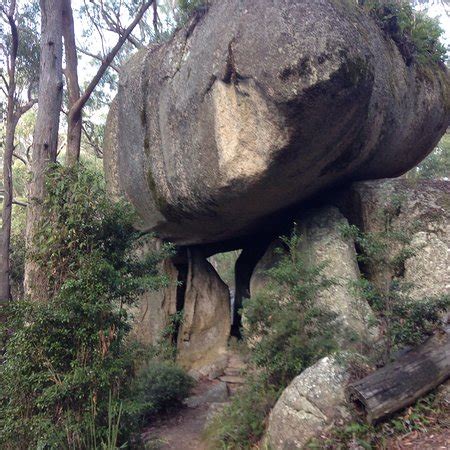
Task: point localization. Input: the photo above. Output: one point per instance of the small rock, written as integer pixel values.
(311, 403)
(233, 372)
(232, 379)
(218, 393)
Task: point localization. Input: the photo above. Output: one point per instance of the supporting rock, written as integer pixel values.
(245, 264)
(323, 243)
(421, 207)
(205, 328)
(152, 311)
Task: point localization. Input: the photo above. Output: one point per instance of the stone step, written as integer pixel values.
(232, 379)
(233, 371)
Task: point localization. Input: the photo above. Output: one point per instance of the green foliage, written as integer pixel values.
(187, 7)
(435, 165)
(158, 386)
(401, 319)
(242, 423)
(27, 63)
(224, 264)
(67, 362)
(417, 36)
(17, 250)
(287, 329)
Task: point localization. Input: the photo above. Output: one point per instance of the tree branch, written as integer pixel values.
(97, 57)
(92, 143)
(17, 202)
(20, 158)
(4, 81)
(27, 106)
(78, 106)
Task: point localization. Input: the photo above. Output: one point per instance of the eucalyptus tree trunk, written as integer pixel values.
(11, 124)
(5, 233)
(45, 139)
(74, 118)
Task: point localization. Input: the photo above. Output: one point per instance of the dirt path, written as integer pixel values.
(183, 429)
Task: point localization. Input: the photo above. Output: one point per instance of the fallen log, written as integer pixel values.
(402, 382)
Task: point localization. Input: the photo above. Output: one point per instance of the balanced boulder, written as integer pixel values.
(255, 106)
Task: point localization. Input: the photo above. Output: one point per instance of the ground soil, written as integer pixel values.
(181, 429)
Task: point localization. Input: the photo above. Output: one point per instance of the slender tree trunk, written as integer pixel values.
(45, 139)
(74, 117)
(5, 234)
(11, 123)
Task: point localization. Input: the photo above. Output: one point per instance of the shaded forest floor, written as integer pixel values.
(181, 429)
(426, 426)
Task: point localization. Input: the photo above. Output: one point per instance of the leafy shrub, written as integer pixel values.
(288, 329)
(287, 332)
(241, 424)
(158, 386)
(67, 363)
(416, 35)
(401, 319)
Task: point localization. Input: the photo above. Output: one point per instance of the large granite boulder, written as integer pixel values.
(311, 404)
(255, 106)
(418, 207)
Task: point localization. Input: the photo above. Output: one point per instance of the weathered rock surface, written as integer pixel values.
(203, 335)
(323, 243)
(310, 404)
(256, 106)
(151, 314)
(423, 207)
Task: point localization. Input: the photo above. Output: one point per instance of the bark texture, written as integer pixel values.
(402, 382)
(45, 139)
(74, 118)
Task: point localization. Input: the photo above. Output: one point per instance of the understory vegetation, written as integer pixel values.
(428, 413)
(402, 319)
(71, 378)
(286, 331)
(417, 36)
